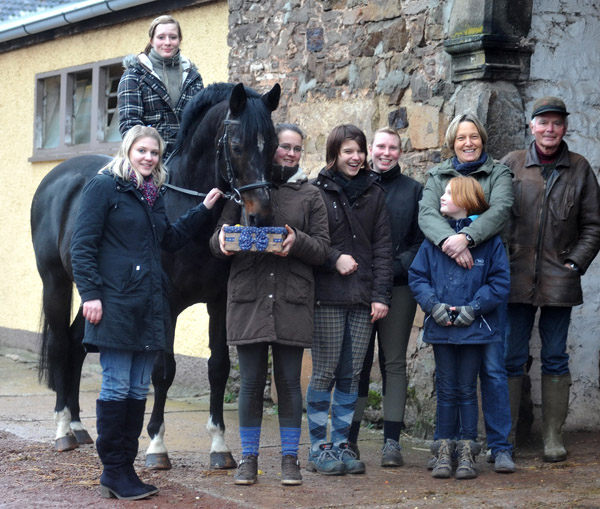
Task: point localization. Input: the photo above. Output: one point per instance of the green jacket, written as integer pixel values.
(496, 180)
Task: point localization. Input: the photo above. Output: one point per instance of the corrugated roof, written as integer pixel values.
(12, 10)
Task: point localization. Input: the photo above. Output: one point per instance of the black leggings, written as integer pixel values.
(287, 366)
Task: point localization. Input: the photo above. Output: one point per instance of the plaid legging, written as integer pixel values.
(334, 362)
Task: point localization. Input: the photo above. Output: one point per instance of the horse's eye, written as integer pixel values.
(236, 149)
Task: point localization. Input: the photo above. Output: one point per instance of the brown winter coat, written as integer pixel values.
(271, 298)
(551, 222)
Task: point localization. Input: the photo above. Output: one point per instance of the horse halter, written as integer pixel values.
(229, 177)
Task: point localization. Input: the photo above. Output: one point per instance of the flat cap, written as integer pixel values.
(549, 104)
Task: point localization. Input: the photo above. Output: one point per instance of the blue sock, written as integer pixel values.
(290, 438)
(250, 438)
(317, 413)
(342, 411)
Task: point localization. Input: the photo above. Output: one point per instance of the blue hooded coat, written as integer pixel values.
(434, 277)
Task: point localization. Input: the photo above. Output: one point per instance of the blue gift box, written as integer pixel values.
(265, 239)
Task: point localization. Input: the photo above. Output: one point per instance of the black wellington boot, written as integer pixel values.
(134, 422)
(115, 481)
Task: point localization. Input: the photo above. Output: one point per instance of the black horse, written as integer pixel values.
(227, 139)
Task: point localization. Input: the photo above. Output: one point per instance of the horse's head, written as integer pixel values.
(246, 150)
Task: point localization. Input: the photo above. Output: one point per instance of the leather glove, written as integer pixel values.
(465, 316)
(440, 314)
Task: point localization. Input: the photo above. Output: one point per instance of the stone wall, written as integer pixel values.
(382, 62)
(356, 61)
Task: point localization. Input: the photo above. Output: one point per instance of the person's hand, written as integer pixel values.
(211, 198)
(440, 314)
(465, 315)
(378, 311)
(455, 245)
(465, 259)
(287, 243)
(456, 248)
(346, 264)
(92, 311)
(222, 242)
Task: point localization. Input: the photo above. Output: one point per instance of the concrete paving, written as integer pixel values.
(26, 412)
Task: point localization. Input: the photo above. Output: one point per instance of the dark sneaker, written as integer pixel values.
(325, 461)
(504, 464)
(431, 462)
(347, 456)
(354, 448)
(391, 455)
(290, 471)
(247, 470)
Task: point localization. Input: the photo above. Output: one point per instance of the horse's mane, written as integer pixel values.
(197, 108)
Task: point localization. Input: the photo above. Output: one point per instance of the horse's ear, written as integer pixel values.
(237, 102)
(271, 98)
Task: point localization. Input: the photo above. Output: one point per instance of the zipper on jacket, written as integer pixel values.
(486, 324)
(538, 247)
(335, 210)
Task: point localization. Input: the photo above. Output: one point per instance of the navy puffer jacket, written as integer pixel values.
(435, 277)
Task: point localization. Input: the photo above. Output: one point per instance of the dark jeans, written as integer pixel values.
(553, 327)
(456, 370)
(254, 367)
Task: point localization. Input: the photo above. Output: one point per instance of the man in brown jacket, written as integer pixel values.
(554, 234)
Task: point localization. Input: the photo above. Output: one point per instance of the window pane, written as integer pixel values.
(51, 112)
(82, 108)
(114, 73)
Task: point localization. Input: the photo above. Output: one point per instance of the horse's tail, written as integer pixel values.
(44, 365)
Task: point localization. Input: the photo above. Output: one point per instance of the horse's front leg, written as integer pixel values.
(157, 456)
(218, 372)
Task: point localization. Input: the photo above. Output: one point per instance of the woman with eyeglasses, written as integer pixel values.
(271, 304)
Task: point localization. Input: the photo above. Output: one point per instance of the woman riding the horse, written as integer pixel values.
(158, 83)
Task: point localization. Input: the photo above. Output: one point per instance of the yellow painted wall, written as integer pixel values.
(204, 42)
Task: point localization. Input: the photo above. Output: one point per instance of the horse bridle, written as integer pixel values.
(229, 177)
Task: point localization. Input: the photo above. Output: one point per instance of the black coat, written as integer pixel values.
(402, 196)
(363, 231)
(116, 257)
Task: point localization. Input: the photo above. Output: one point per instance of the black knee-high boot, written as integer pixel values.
(114, 481)
(134, 422)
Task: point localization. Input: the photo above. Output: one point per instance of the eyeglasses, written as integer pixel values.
(288, 148)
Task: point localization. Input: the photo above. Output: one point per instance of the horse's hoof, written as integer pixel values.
(158, 461)
(222, 460)
(82, 436)
(66, 443)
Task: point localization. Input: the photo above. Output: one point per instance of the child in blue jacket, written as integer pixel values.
(461, 316)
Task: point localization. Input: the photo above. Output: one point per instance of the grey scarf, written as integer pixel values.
(170, 72)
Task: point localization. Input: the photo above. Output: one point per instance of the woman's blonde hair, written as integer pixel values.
(165, 19)
(121, 165)
(468, 194)
(453, 129)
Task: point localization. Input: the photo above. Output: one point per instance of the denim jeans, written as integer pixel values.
(553, 327)
(125, 374)
(456, 369)
(495, 401)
